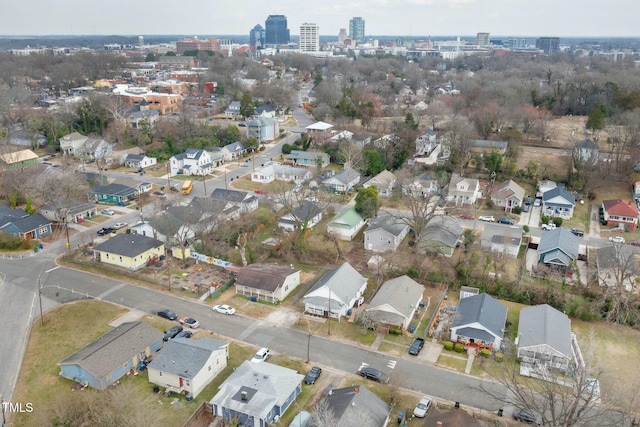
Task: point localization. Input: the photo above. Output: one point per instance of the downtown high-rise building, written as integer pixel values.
(483, 39)
(276, 31)
(257, 36)
(356, 29)
(309, 38)
(549, 45)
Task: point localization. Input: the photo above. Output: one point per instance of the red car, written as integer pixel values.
(467, 216)
(259, 191)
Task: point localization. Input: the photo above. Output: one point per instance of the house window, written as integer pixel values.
(160, 373)
(120, 259)
(209, 368)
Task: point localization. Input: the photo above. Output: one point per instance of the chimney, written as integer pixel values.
(439, 424)
(243, 396)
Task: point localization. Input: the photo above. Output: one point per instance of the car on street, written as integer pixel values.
(633, 242)
(224, 309)
(577, 232)
(505, 220)
(313, 375)
(528, 417)
(467, 216)
(373, 374)
(261, 355)
(260, 191)
(107, 211)
(422, 407)
(158, 193)
(171, 333)
(167, 314)
(190, 322)
(487, 218)
(184, 334)
(119, 225)
(548, 227)
(174, 189)
(106, 230)
(616, 239)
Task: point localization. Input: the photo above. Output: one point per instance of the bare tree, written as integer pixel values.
(436, 112)
(323, 415)
(618, 268)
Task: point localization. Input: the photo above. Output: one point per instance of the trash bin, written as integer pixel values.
(412, 328)
(400, 417)
(252, 298)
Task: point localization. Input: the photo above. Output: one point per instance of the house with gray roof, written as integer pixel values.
(29, 227)
(508, 195)
(441, 236)
(462, 190)
(71, 211)
(343, 181)
(396, 302)
(306, 213)
(505, 239)
(188, 365)
(336, 292)
(263, 129)
(7, 214)
(479, 321)
(346, 224)
(267, 282)
(558, 247)
(242, 201)
(107, 359)
(255, 394)
(587, 151)
(113, 194)
(232, 151)
(130, 251)
(558, 202)
(138, 162)
(385, 233)
(192, 162)
(486, 146)
(308, 158)
(544, 338)
(233, 110)
(356, 405)
(385, 181)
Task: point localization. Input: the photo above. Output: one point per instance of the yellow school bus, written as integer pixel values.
(187, 187)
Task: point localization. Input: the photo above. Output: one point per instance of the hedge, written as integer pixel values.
(448, 345)
(459, 348)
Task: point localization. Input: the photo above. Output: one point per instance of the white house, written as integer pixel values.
(139, 161)
(463, 190)
(267, 282)
(233, 111)
(346, 224)
(426, 143)
(343, 181)
(191, 162)
(274, 172)
(307, 211)
(231, 151)
(385, 181)
(396, 302)
(76, 144)
(263, 129)
(336, 292)
(188, 365)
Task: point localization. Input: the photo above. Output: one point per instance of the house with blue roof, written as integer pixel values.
(113, 194)
(188, 365)
(479, 322)
(558, 202)
(558, 247)
(29, 227)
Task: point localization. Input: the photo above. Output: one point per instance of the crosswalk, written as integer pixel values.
(391, 364)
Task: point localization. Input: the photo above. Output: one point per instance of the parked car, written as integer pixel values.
(190, 322)
(616, 239)
(171, 333)
(526, 207)
(416, 346)
(107, 211)
(313, 375)
(174, 189)
(260, 191)
(373, 374)
(505, 220)
(487, 218)
(106, 230)
(528, 417)
(537, 203)
(119, 225)
(167, 314)
(261, 355)
(577, 232)
(467, 216)
(547, 227)
(422, 407)
(633, 242)
(184, 334)
(158, 193)
(224, 309)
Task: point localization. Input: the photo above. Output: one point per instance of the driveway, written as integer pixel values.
(534, 218)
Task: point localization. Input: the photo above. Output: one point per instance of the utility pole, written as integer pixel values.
(204, 182)
(168, 177)
(329, 314)
(40, 301)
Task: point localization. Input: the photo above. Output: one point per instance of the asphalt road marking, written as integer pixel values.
(109, 291)
(392, 364)
(51, 269)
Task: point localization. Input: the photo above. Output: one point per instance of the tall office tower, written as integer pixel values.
(342, 35)
(256, 36)
(483, 39)
(309, 37)
(276, 31)
(550, 45)
(140, 41)
(356, 29)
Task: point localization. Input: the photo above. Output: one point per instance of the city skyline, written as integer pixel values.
(561, 18)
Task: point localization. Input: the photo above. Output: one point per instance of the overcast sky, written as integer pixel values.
(560, 18)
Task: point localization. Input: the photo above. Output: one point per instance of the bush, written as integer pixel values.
(395, 331)
(557, 221)
(286, 148)
(459, 348)
(9, 241)
(485, 353)
(499, 357)
(448, 345)
(544, 219)
(525, 228)
(517, 210)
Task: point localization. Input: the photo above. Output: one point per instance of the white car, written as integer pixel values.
(422, 407)
(616, 239)
(109, 212)
(547, 227)
(224, 309)
(487, 218)
(119, 225)
(261, 355)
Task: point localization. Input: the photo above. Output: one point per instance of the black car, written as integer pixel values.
(373, 375)
(504, 220)
(171, 333)
(106, 230)
(167, 314)
(528, 417)
(313, 375)
(184, 334)
(577, 232)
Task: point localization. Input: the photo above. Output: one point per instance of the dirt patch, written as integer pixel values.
(566, 131)
(549, 165)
